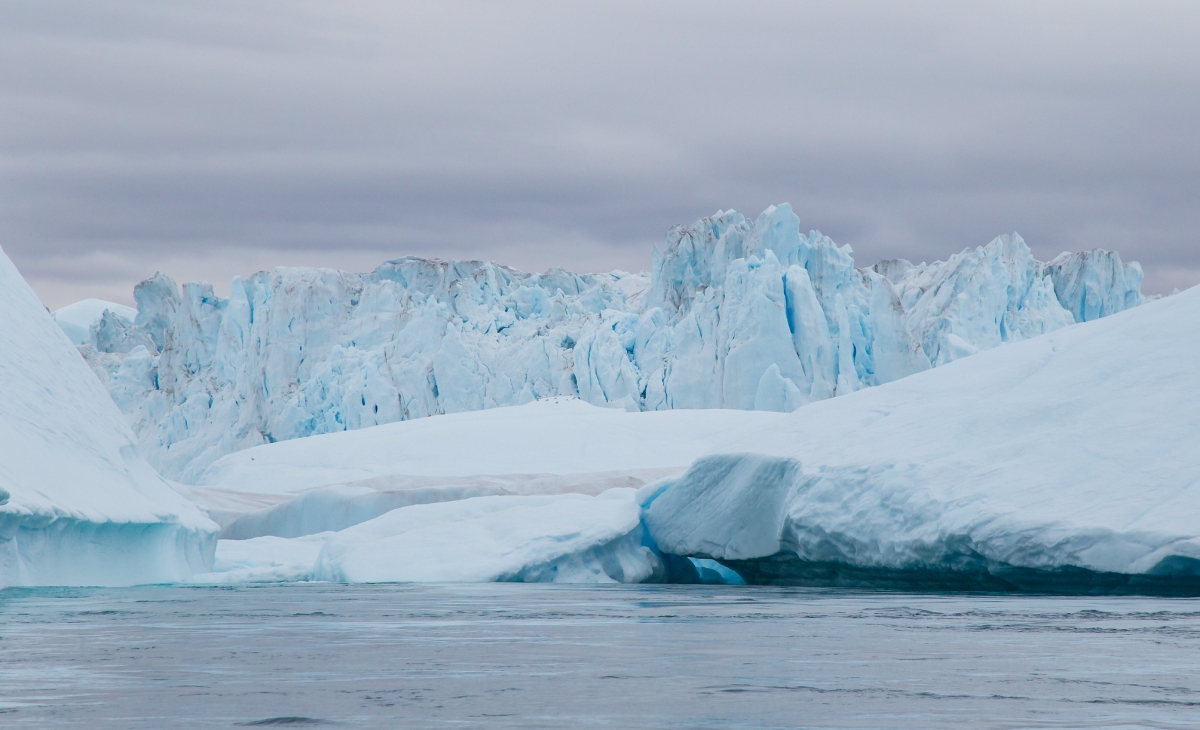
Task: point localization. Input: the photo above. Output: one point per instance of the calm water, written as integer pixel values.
(521, 656)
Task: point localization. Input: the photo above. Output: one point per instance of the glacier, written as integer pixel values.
(733, 314)
(78, 504)
(1064, 463)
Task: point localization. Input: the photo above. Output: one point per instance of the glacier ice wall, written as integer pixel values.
(733, 314)
(78, 504)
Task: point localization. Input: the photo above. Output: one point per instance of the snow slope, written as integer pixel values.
(78, 505)
(553, 446)
(77, 319)
(735, 313)
(1065, 462)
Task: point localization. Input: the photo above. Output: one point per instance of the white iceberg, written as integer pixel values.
(1067, 462)
(735, 313)
(78, 505)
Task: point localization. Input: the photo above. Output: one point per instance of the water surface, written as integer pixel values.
(538, 656)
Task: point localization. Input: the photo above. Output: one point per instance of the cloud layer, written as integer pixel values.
(214, 139)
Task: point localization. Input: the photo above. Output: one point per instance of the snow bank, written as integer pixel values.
(1066, 462)
(735, 313)
(554, 446)
(78, 319)
(78, 505)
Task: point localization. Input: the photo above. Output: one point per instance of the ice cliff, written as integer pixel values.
(78, 504)
(733, 314)
(1064, 463)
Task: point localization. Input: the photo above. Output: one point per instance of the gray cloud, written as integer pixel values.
(208, 140)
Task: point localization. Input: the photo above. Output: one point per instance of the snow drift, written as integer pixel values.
(78, 505)
(734, 314)
(1069, 462)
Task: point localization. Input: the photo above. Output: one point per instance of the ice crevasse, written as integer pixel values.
(78, 504)
(735, 313)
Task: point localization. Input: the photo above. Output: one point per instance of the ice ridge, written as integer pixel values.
(733, 314)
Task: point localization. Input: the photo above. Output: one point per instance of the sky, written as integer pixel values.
(208, 140)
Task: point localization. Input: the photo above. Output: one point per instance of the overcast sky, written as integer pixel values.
(212, 139)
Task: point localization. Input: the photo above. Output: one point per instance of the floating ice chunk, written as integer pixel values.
(264, 560)
(1072, 451)
(566, 538)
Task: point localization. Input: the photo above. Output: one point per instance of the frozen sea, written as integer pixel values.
(537, 656)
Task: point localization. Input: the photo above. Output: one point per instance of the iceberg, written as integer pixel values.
(568, 538)
(1067, 462)
(78, 504)
(565, 538)
(733, 314)
(545, 491)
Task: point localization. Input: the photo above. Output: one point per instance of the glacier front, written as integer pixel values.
(78, 504)
(734, 314)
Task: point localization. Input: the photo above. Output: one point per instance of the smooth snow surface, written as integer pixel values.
(1077, 449)
(78, 319)
(78, 505)
(734, 314)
